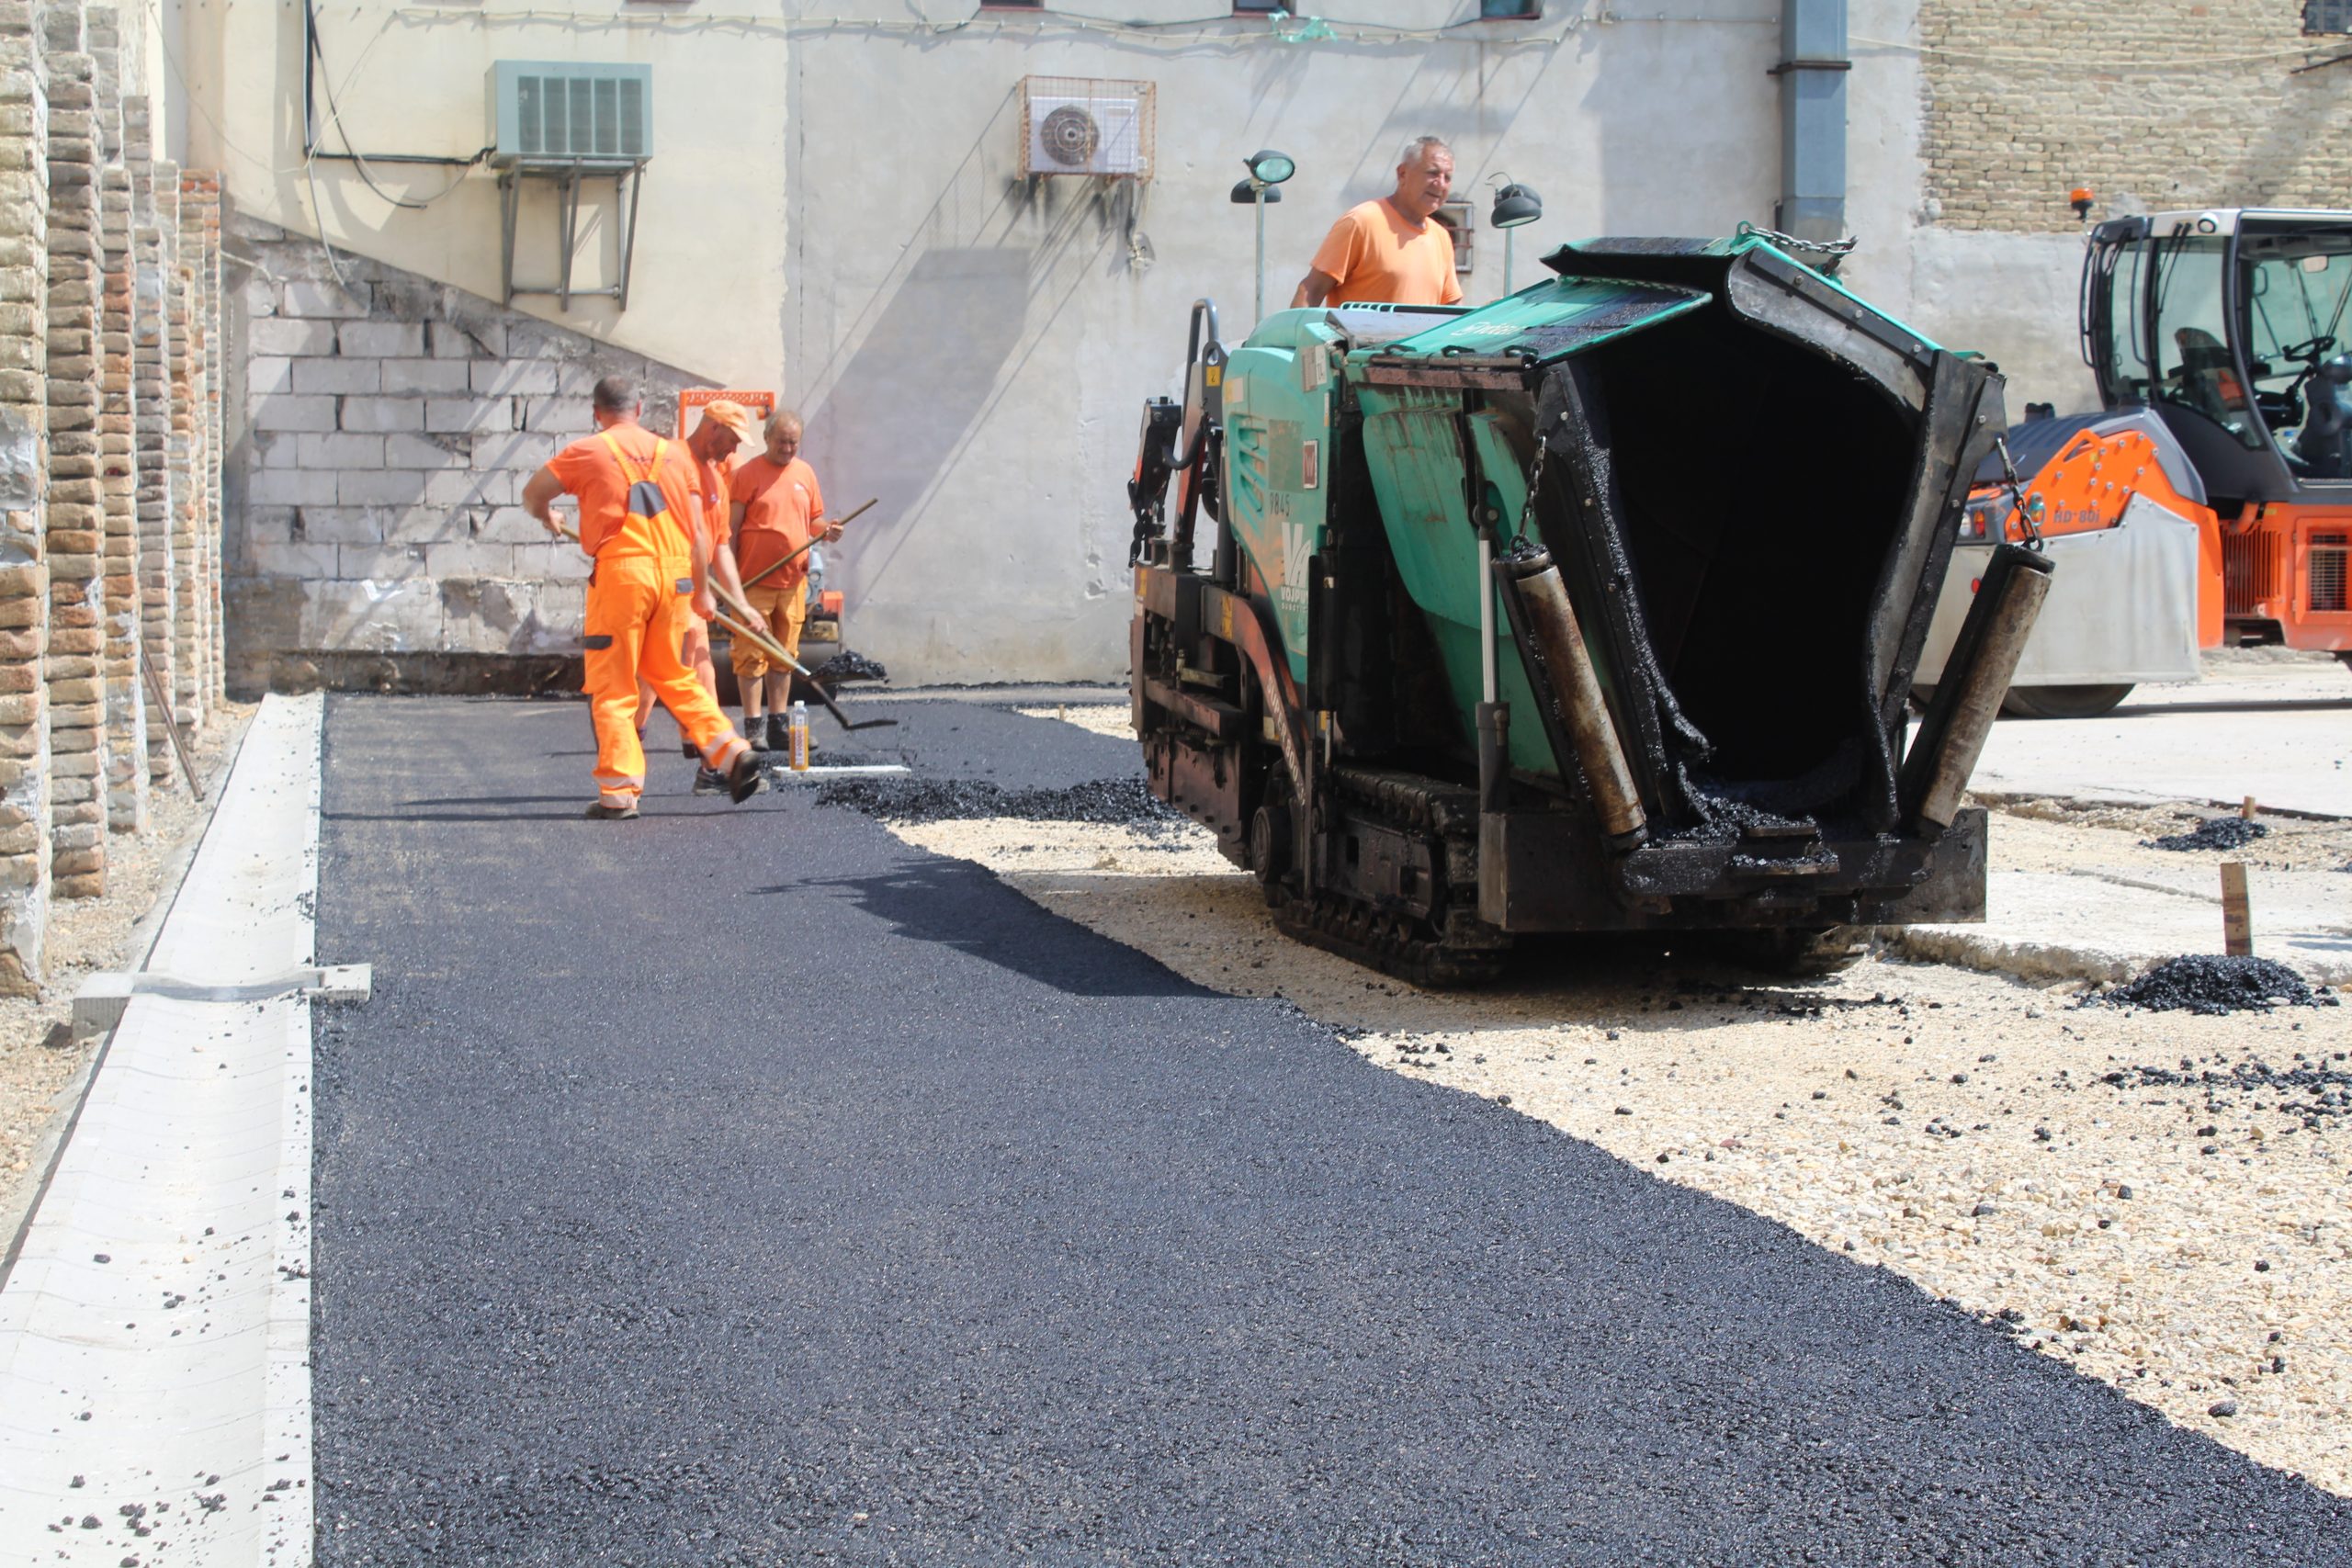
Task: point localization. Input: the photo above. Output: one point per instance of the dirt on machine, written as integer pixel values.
(1596, 609)
(2208, 499)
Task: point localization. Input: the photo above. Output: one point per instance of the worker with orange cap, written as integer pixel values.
(640, 518)
(722, 428)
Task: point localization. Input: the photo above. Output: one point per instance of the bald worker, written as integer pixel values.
(778, 513)
(640, 519)
(1391, 250)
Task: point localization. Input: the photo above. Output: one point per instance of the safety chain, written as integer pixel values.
(2016, 494)
(1781, 241)
(1536, 479)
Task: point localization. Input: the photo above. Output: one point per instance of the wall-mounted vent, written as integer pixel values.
(1083, 125)
(550, 111)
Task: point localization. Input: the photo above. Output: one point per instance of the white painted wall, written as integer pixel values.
(836, 209)
(978, 355)
(709, 281)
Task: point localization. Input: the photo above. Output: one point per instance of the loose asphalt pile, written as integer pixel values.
(1113, 802)
(2213, 833)
(2206, 984)
(848, 665)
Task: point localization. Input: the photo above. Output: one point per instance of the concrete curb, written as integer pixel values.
(154, 1375)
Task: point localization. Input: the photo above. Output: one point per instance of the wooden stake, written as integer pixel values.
(2237, 915)
(2247, 810)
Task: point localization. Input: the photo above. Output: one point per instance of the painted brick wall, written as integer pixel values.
(391, 424)
(2153, 104)
(109, 491)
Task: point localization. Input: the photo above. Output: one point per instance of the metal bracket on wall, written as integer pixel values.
(566, 176)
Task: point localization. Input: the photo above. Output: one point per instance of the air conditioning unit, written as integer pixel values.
(559, 111)
(1079, 125)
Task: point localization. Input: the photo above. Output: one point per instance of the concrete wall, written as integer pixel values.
(387, 424)
(975, 350)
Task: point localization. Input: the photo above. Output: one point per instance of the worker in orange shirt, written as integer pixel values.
(1394, 250)
(639, 517)
(722, 428)
(778, 512)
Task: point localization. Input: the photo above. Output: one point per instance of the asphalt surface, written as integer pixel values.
(740, 1186)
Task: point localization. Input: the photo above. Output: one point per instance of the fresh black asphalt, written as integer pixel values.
(741, 1186)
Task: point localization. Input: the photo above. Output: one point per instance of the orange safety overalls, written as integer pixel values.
(637, 604)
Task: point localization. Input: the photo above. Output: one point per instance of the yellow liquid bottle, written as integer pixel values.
(799, 728)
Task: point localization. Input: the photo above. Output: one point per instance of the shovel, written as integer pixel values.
(774, 650)
(776, 565)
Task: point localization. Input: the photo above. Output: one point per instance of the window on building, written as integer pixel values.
(1509, 10)
(1257, 7)
(2328, 16)
(1012, 5)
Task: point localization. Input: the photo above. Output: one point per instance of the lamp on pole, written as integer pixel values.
(1268, 169)
(1514, 204)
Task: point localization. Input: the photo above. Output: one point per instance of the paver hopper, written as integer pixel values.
(1664, 691)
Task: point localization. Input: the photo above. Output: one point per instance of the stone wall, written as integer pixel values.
(2154, 105)
(390, 423)
(107, 304)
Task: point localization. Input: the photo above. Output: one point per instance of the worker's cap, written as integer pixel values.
(732, 414)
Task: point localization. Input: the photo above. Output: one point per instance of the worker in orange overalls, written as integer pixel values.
(639, 517)
(778, 512)
(723, 427)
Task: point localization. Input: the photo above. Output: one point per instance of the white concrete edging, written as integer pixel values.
(155, 1332)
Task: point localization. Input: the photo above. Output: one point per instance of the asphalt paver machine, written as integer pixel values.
(1595, 609)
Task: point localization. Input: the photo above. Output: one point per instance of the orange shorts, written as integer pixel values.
(784, 610)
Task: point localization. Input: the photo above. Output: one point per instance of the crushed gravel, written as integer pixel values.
(2214, 833)
(2216, 987)
(2313, 1090)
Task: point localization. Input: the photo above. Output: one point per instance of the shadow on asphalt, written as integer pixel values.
(955, 904)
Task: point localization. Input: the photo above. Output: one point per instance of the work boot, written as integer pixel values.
(755, 732)
(603, 811)
(709, 781)
(744, 778)
(779, 733)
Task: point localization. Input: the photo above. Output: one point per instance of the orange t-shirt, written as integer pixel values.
(1380, 256)
(587, 469)
(711, 485)
(782, 508)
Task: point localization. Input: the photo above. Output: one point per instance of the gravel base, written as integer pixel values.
(2190, 1245)
(38, 1059)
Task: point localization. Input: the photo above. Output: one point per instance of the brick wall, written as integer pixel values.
(391, 423)
(2155, 104)
(109, 446)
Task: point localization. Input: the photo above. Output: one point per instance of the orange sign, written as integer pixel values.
(760, 404)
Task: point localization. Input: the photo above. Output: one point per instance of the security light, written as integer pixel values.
(1515, 205)
(1247, 192)
(1270, 167)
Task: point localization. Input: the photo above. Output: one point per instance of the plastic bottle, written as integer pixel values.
(799, 728)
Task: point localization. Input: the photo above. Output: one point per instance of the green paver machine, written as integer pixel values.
(1594, 609)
